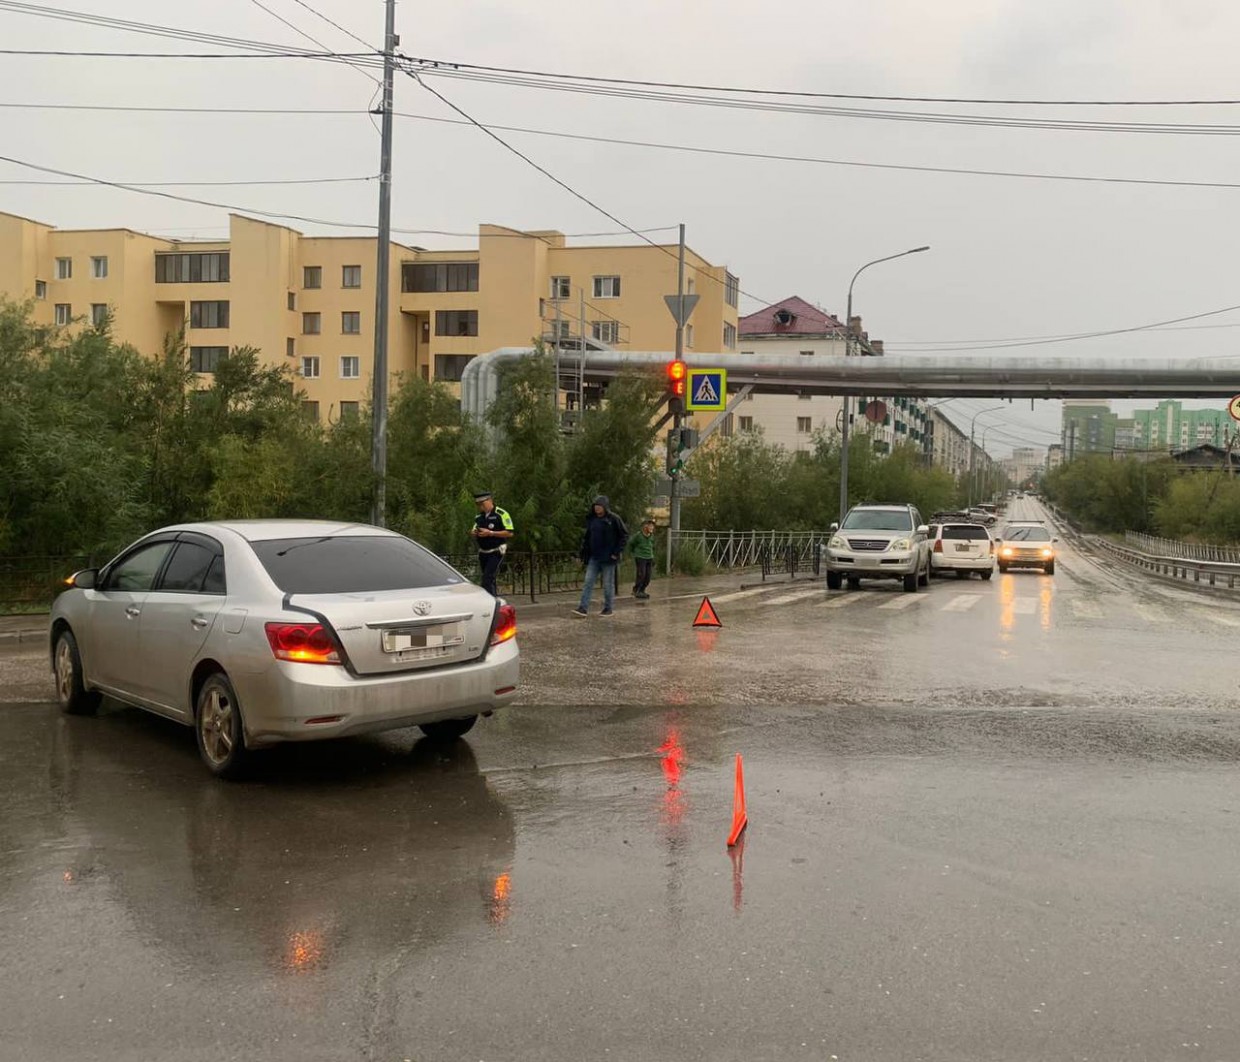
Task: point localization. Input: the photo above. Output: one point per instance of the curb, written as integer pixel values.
(22, 637)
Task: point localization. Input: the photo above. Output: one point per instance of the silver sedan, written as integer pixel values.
(256, 632)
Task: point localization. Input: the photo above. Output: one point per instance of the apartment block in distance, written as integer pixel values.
(309, 301)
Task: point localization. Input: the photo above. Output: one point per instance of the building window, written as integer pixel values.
(312, 277)
(806, 353)
(64, 268)
(729, 337)
(349, 410)
(606, 331)
(292, 301)
(99, 267)
(690, 286)
(688, 335)
(607, 287)
(804, 425)
(746, 423)
(206, 359)
(40, 289)
(728, 426)
(98, 314)
(350, 367)
(732, 290)
(561, 287)
(311, 324)
(208, 315)
(439, 276)
(351, 277)
(311, 411)
(310, 367)
(64, 313)
(290, 346)
(351, 323)
(561, 329)
(450, 367)
(456, 322)
(199, 268)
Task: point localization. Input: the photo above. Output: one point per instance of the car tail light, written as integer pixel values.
(304, 643)
(938, 545)
(505, 625)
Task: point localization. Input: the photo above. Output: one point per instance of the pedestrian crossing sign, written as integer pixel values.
(707, 390)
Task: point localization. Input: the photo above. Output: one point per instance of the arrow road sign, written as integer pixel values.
(681, 307)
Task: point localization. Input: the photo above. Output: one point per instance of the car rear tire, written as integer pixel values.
(834, 580)
(219, 728)
(1050, 568)
(911, 583)
(987, 575)
(448, 729)
(71, 692)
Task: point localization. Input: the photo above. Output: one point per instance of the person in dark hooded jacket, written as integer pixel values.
(602, 546)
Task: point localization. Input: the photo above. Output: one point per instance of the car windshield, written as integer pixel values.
(878, 520)
(351, 565)
(1027, 534)
(966, 531)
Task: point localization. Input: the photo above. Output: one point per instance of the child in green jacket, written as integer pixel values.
(642, 547)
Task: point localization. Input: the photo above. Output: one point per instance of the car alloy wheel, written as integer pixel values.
(71, 692)
(218, 727)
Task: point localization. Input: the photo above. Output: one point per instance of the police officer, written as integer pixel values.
(492, 528)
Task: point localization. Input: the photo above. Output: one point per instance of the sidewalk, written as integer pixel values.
(32, 628)
(22, 630)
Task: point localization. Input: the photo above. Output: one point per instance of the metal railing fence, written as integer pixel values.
(1194, 551)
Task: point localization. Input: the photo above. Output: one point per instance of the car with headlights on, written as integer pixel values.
(258, 632)
(878, 542)
(1027, 544)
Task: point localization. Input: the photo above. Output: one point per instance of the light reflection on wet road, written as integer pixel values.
(994, 822)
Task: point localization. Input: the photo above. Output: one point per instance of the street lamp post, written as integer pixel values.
(847, 402)
(972, 447)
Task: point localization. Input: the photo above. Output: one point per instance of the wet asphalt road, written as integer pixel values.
(988, 821)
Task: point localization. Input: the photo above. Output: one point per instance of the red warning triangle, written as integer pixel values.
(707, 616)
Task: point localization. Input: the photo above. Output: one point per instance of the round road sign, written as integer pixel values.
(1233, 407)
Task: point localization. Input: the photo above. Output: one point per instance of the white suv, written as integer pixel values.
(879, 542)
(962, 548)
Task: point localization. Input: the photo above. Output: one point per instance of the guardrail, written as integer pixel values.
(1170, 547)
(1204, 573)
(31, 583)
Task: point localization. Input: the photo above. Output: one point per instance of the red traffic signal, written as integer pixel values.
(677, 373)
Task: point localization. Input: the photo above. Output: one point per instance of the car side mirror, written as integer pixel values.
(835, 527)
(83, 580)
(923, 530)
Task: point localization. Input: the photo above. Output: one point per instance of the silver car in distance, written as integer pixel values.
(257, 632)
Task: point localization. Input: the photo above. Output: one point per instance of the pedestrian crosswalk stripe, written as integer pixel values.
(1087, 609)
(840, 602)
(1150, 613)
(737, 595)
(788, 599)
(902, 602)
(1024, 606)
(1216, 617)
(962, 603)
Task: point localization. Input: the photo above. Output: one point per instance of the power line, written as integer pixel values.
(567, 187)
(196, 184)
(275, 52)
(441, 64)
(309, 36)
(330, 22)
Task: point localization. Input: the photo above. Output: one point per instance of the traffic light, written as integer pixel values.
(679, 442)
(677, 377)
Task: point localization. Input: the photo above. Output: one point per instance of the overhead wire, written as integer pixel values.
(310, 37)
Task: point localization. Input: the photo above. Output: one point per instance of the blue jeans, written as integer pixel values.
(595, 568)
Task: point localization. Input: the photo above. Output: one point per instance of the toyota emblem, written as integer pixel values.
(421, 608)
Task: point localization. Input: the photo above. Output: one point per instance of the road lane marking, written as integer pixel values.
(1212, 617)
(788, 599)
(903, 601)
(1151, 613)
(962, 603)
(1086, 610)
(1024, 606)
(840, 602)
(737, 595)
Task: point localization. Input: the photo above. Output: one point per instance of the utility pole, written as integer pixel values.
(383, 271)
(674, 494)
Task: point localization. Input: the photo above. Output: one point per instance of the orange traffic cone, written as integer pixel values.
(739, 819)
(706, 615)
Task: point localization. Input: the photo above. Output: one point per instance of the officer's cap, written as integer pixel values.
(482, 495)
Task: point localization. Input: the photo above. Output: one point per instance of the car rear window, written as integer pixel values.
(355, 564)
(967, 531)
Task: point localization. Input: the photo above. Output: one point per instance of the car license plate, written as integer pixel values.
(428, 641)
(963, 547)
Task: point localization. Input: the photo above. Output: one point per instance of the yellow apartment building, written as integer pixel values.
(309, 301)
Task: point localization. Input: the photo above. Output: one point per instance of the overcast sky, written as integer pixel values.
(1010, 257)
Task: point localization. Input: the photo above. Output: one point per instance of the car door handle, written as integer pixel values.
(199, 622)
(133, 612)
